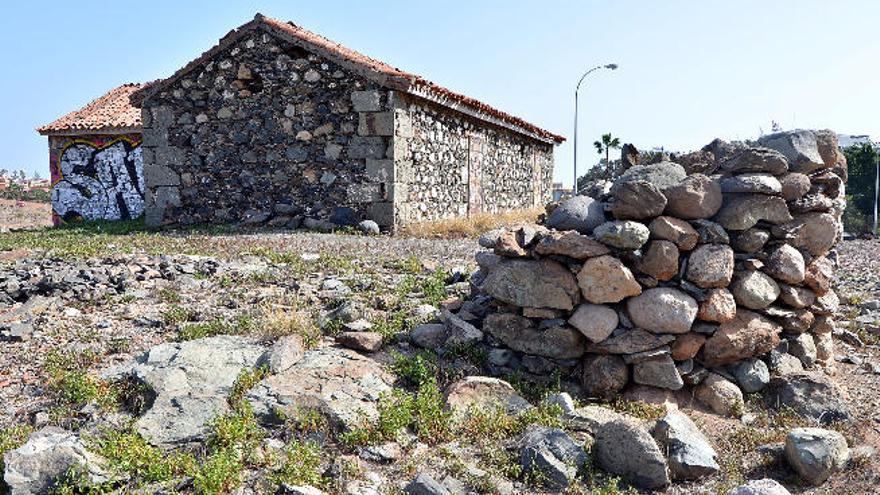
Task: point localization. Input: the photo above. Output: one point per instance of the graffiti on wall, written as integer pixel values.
(98, 178)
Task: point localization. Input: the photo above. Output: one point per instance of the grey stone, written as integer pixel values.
(811, 395)
(764, 486)
(659, 371)
(595, 321)
(696, 196)
(553, 454)
(580, 213)
(690, 456)
(663, 310)
(710, 266)
(33, 468)
(283, 354)
(742, 212)
(804, 348)
(755, 160)
(486, 393)
(630, 341)
(799, 146)
(663, 174)
(751, 183)
(786, 264)
(815, 453)
(720, 395)
(752, 375)
(625, 448)
(429, 335)
(366, 101)
(458, 331)
(816, 232)
(622, 234)
(563, 400)
(636, 200)
(754, 289)
(520, 334)
(424, 484)
(369, 227)
(751, 240)
(603, 375)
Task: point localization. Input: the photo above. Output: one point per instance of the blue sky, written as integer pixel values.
(689, 71)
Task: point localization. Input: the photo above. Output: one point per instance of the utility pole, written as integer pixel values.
(576, 89)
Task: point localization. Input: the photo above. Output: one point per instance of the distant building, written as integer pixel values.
(95, 160)
(5, 182)
(847, 140)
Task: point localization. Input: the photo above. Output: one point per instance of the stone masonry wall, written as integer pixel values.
(719, 280)
(451, 165)
(265, 131)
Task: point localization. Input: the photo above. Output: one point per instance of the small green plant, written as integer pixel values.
(12, 438)
(392, 324)
(128, 453)
(76, 481)
(416, 369)
(302, 465)
(219, 473)
(245, 381)
(168, 295)
(239, 325)
(176, 315)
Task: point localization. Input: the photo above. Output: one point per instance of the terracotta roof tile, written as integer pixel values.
(379, 71)
(113, 111)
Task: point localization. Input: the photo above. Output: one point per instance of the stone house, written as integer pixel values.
(277, 125)
(95, 161)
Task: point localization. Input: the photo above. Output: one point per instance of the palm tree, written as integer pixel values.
(606, 145)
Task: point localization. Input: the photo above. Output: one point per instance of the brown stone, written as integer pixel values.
(720, 395)
(816, 232)
(818, 275)
(711, 265)
(660, 260)
(795, 296)
(743, 211)
(630, 342)
(603, 375)
(572, 244)
(507, 245)
(786, 264)
(519, 333)
(485, 393)
(360, 341)
(605, 279)
(697, 196)
(673, 229)
(747, 335)
(719, 306)
(686, 346)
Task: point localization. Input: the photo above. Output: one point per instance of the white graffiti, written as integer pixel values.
(100, 184)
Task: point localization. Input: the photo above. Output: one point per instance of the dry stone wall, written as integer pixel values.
(713, 279)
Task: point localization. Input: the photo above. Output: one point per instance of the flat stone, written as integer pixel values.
(799, 146)
(595, 321)
(360, 341)
(520, 334)
(529, 283)
(658, 372)
(815, 453)
(812, 395)
(630, 341)
(751, 183)
(486, 393)
(605, 279)
(755, 160)
(571, 244)
(689, 454)
(664, 174)
(747, 335)
(742, 212)
(663, 310)
(340, 384)
(553, 454)
(624, 448)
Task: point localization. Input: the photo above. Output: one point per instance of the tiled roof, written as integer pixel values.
(111, 112)
(376, 70)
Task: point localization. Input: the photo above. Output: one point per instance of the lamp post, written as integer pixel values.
(576, 89)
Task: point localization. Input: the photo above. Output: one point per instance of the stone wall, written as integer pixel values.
(264, 131)
(452, 165)
(96, 177)
(673, 278)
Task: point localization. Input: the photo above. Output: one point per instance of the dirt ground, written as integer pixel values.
(24, 214)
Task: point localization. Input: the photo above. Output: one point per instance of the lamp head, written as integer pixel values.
(611, 66)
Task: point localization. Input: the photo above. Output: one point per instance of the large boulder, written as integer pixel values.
(342, 385)
(800, 147)
(696, 196)
(622, 234)
(710, 265)
(663, 174)
(754, 290)
(751, 183)
(605, 279)
(663, 310)
(815, 453)
(571, 244)
(580, 213)
(595, 321)
(687, 449)
(48, 454)
(552, 455)
(786, 264)
(191, 381)
(743, 211)
(816, 232)
(755, 160)
(812, 395)
(486, 393)
(625, 448)
(603, 375)
(636, 200)
(659, 260)
(675, 230)
(747, 335)
(532, 284)
(520, 334)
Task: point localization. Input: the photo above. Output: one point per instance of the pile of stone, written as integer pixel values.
(674, 277)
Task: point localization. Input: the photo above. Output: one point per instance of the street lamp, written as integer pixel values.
(576, 89)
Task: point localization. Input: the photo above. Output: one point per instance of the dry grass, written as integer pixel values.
(469, 227)
(278, 320)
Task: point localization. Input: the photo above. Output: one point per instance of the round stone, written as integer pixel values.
(711, 265)
(622, 234)
(595, 321)
(605, 279)
(696, 196)
(754, 290)
(786, 264)
(663, 310)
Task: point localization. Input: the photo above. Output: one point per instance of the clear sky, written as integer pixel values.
(690, 71)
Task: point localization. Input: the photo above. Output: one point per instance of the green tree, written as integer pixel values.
(605, 145)
(861, 163)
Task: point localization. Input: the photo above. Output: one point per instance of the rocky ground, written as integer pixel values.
(24, 214)
(278, 362)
